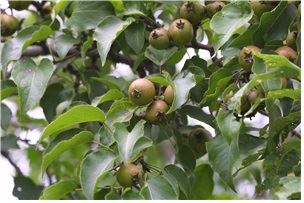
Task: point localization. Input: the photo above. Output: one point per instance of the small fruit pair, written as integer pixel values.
(180, 31)
(142, 92)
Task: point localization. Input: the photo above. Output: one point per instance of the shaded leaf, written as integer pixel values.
(158, 188)
(203, 184)
(88, 14)
(106, 33)
(61, 147)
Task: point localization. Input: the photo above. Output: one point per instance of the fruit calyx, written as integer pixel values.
(180, 24)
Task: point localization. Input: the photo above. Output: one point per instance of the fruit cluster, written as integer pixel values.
(246, 54)
(181, 30)
(142, 92)
(10, 24)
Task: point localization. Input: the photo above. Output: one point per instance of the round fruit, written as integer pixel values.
(192, 11)
(141, 91)
(287, 52)
(159, 38)
(169, 95)
(260, 7)
(9, 24)
(246, 56)
(128, 175)
(197, 140)
(19, 5)
(291, 38)
(214, 7)
(156, 112)
(181, 32)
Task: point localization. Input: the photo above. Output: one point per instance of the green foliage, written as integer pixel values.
(68, 63)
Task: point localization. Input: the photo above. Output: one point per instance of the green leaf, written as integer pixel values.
(8, 88)
(218, 81)
(94, 167)
(41, 34)
(291, 93)
(58, 190)
(180, 177)
(127, 140)
(274, 62)
(60, 5)
(106, 33)
(160, 79)
(289, 186)
(61, 147)
(75, 115)
(118, 5)
(222, 157)
(203, 184)
(158, 188)
(182, 85)
(135, 36)
(6, 116)
(63, 43)
(130, 194)
(228, 125)
(31, 80)
(88, 14)
(159, 57)
(229, 21)
(110, 95)
(120, 111)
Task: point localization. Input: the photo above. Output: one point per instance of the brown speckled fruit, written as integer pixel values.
(156, 112)
(141, 91)
(181, 32)
(214, 7)
(128, 175)
(192, 11)
(246, 56)
(159, 38)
